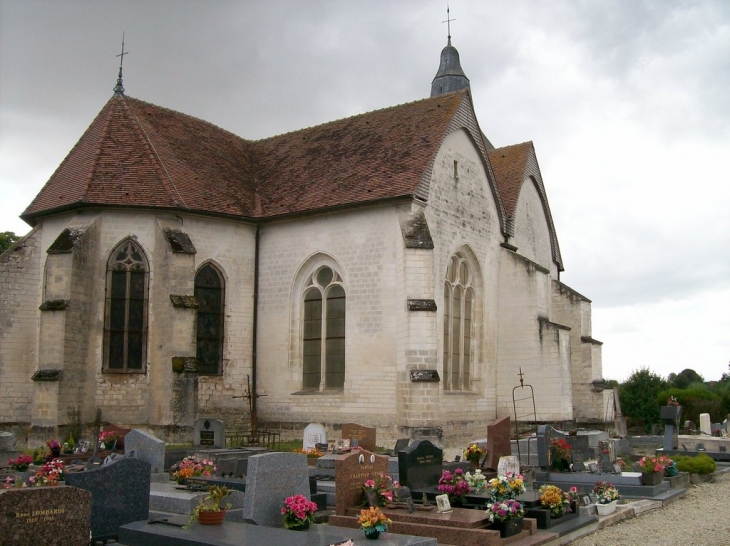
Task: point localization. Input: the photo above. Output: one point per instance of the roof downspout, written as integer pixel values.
(254, 327)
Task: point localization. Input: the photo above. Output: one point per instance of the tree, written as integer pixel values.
(685, 378)
(638, 396)
(7, 238)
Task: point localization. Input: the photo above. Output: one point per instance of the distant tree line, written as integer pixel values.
(644, 392)
(7, 239)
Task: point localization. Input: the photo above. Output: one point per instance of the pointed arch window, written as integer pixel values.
(125, 324)
(210, 295)
(458, 304)
(323, 336)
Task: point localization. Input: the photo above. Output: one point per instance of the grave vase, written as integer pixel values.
(508, 528)
(652, 478)
(55, 452)
(302, 526)
(371, 533)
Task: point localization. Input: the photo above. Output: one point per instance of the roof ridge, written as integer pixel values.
(355, 116)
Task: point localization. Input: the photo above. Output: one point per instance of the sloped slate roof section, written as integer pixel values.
(370, 157)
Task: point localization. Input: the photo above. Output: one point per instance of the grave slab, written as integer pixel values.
(44, 515)
(142, 533)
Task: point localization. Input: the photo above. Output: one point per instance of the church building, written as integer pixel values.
(392, 269)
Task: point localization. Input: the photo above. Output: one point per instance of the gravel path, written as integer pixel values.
(701, 518)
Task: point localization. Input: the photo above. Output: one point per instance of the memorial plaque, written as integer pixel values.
(44, 515)
(209, 433)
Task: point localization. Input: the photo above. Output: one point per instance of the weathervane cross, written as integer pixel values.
(119, 88)
(448, 21)
(123, 53)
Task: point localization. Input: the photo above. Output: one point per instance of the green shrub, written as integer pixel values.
(701, 464)
(694, 401)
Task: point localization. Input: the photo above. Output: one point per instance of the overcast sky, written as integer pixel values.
(626, 101)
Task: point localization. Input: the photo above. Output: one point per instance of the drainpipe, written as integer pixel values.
(254, 327)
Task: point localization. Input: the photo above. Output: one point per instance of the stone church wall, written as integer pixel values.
(532, 235)
(20, 274)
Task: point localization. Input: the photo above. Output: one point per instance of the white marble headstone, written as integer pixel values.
(705, 423)
(314, 434)
(509, 463)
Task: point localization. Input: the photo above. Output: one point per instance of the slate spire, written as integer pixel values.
(450, 77)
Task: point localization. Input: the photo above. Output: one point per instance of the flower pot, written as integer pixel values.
(303, 526)
(211, 518)
(508, 528)
(474, 465)
(108, 446)
(652, 478)
(55, 452)
(561, 465)
(557, 514)
(605, 509)
(371, 533)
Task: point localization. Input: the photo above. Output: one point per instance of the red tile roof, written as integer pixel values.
(509, 164)
(138, 154)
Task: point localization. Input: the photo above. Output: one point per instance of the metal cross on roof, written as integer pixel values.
(119, 88)
(448, 21)
(522, 381)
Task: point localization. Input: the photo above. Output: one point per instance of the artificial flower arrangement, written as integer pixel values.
(672, 401)
(606, 492)
(474, 453)
(211, 503)
(191, 466)
(555, 499)
(298, 512)
(560, 454)
(504, 510)
(107, 437)
(650, 465)
(50, 473)
(454, 485)
(20, 464)
(313, 453)
(384, 485)
(476, 480)
(373, 518)
(504, 487)
(53, 445)
(573, 495)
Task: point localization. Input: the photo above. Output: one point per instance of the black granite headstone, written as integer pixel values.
(120, 494)
(420, 465)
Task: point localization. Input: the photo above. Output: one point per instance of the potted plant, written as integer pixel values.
(373, 522)
(50, 473)
(379, 491)
(473, 454)
(20, 464)
(190, 467)
(560, 455)
(211, 511)
(509, 486)
(652, 469)
(55, 447)
(454, 485)
(506, 516)
(555, 499)
(608, 497)
(298, 512)
(108, 438)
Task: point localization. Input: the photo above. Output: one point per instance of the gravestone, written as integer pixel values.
(7, 441)
(120, 431)
(544, 442)
(705, 427)
(606, 456)
(420, 465)
(241, 470)
(351, 472)
(44, 515)
(508, 464)
(271, 478)
(579, 446)
(209, 433)
(365, 436)
(498, 442)
(146, 447)
(120, 493)
(314, 434)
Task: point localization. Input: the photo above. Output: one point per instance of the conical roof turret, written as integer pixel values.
(450, 77)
